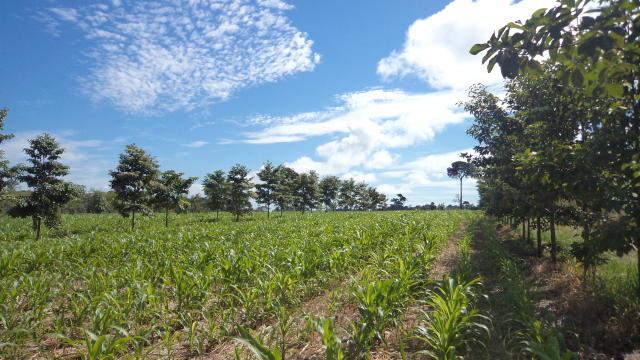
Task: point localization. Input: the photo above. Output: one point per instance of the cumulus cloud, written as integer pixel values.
(437, 47)
(366, 124)
(359, 176)
(181, 54)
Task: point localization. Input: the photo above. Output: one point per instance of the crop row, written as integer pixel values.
(99, 291)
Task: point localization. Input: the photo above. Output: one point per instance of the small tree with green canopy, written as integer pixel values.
(170, 192)
(133, 181)
(377, 200)
(97, 202)
(329, 187)
(397, 203)
(347, 197)
(460, 170)
(239, 191)
(285, 188)
(215, 189)
(307, 191)
(266, 191)
(44, 176)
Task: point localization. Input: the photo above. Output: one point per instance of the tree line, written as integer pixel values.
(563, 144)
(139, 187)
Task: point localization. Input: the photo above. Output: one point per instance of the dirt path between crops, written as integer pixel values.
(445, 262)
(304, 344)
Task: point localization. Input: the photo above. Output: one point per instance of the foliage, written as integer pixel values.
(329, 187)
(7, 174)
(266, 190)
(215, 189)
(306, 191)
(453, 320)
(43, 176)
(239, 191)
(592, 51)
(397, 202)
(159, 283)
(285, 187)
(133, 181)
(460, 170)
(170, 191)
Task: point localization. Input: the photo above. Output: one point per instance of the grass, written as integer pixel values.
(95, 289)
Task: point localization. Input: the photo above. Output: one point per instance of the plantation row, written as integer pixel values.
(563, 145)
(103, 292)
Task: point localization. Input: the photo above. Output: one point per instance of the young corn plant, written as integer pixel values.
(257, 346)
(330, 339)
(453, 322)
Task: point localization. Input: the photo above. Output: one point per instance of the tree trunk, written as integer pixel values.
(133, 220)
(217, 214)
(529, 232)
(552, 229)
(539, 236)
(524, 230)
(38, 223)
(460, 193)
(166, 217)
(638, 255)
(268, 210)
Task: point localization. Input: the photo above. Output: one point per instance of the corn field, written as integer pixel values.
(94, 289)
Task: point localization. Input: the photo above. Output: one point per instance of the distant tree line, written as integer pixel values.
(139, 187)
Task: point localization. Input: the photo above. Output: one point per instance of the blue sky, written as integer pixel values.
(362, 89)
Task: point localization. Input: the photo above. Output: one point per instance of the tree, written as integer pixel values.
(44, 176)
(347, 198)
(597, 49)
(362, 196)
(239, 191)
(376, 199)
(266, 191)
(197, 203)
(133, 181)
(171, 191)
(397, 203)
(285, 194)
(7, 174)
(97, 203)
(460, 170)
(215, 189)
(306, 191)
(329, 186)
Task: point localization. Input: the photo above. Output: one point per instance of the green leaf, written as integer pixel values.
(475, 49)
(615, 90)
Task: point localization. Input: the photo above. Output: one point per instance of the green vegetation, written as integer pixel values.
(564, 144)
(97, 289)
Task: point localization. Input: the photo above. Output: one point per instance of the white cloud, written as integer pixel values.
(359, 176)
(437, 47)
(202, 124)
(305, 164)
(66, 14)
(181, 54)
(196, 189)
(380, 160)
(196, 144)
(366, 124)
(436, 165)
